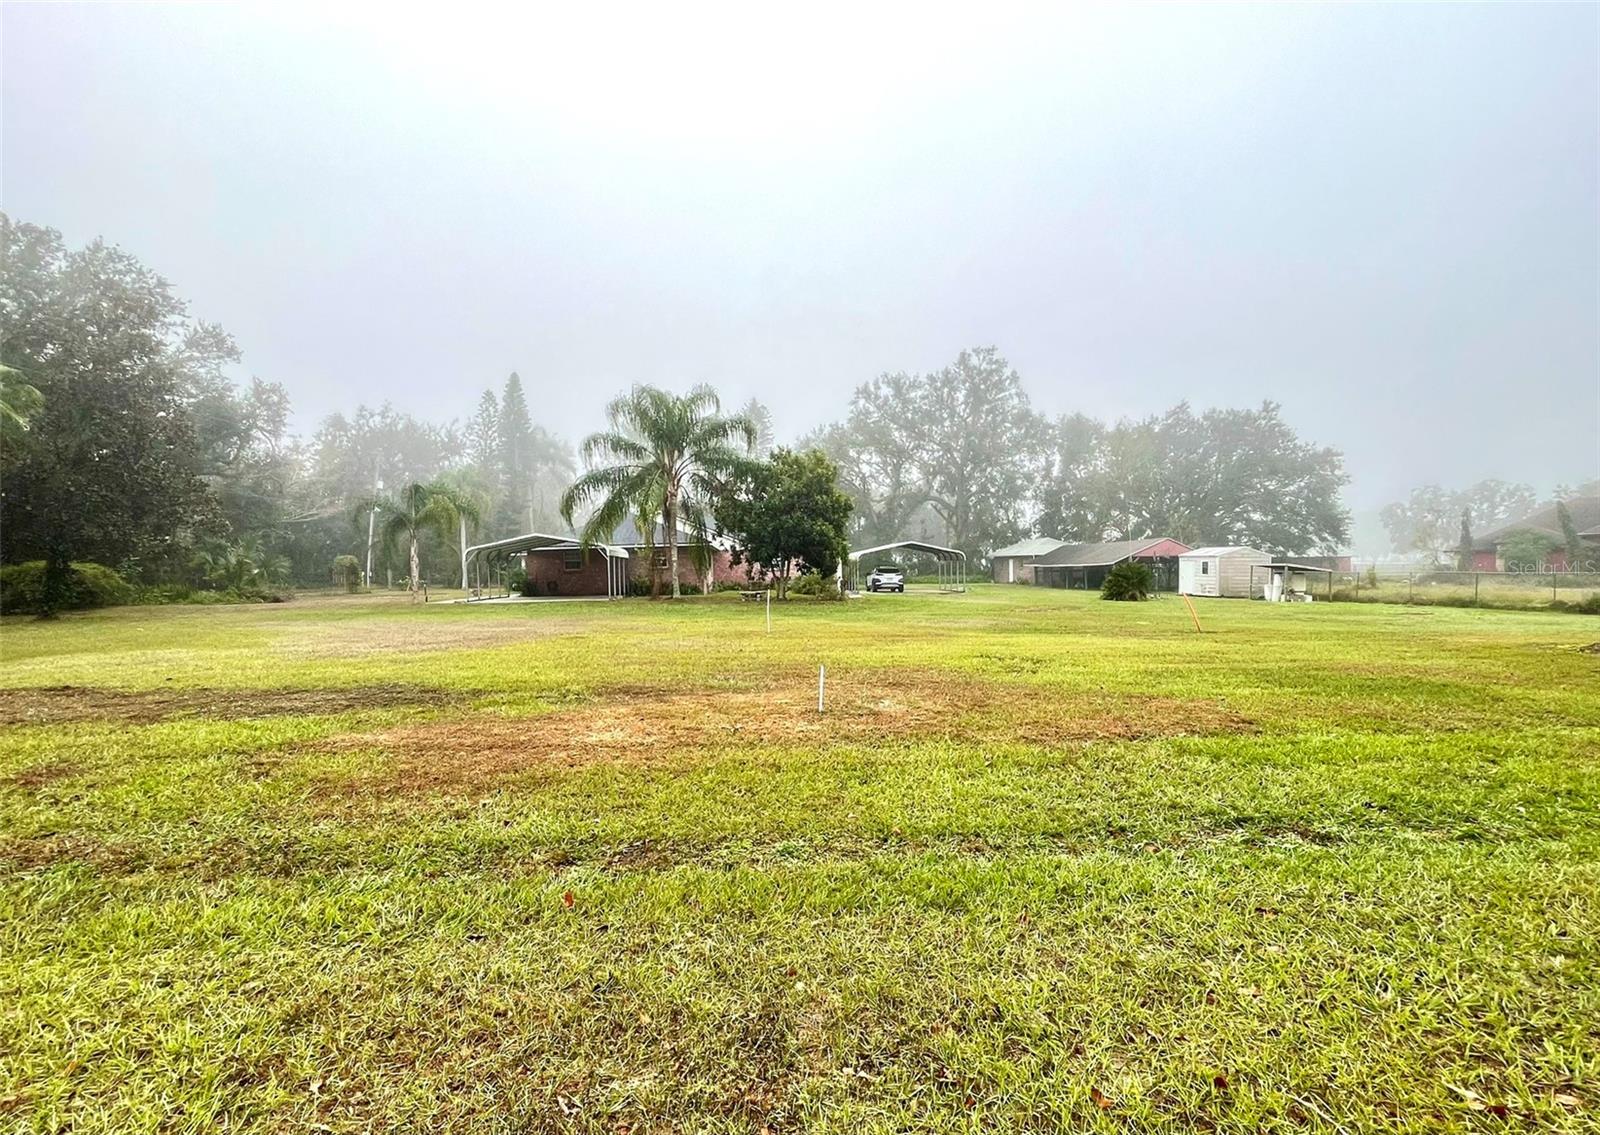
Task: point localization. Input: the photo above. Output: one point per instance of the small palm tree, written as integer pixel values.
(665, 458)
(417, 509)
(472, 501)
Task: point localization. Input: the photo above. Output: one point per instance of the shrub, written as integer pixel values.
(518, 583)
(346, 572)
(816, 585)
(1129, 581)
(88, 585)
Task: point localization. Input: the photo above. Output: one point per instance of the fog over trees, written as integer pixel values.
(127, 444)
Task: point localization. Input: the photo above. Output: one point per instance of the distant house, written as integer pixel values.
(569, 569)
(1488, 556)
(1014, 563)
(1084, 566)
(1223, 571)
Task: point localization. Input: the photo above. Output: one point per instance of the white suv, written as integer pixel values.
(887, 579)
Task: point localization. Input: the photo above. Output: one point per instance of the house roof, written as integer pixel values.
(1585, 518)
(1037, 546)
(1097, 555)
(1225, 550)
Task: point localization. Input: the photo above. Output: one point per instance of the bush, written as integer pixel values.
(1129, 581)
(816, 585)
(88, 585)
(518, 583)
(346, 572)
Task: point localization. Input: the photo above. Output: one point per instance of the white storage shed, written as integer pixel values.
(1223, 571)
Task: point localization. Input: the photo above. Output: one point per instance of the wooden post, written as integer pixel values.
(1476, 576)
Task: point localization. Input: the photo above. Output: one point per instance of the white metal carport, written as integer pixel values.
(952, 562)
(478, 556)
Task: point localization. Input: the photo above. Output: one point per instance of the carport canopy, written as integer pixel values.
(952, 562)
(616, 556)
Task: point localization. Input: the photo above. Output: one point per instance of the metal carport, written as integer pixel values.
(475, 557)
(952, 562)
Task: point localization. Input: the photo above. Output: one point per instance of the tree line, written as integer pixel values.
(960, 456)
(123, 442)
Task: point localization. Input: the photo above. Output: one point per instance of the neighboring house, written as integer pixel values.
(568, 569)
(1084, 566)
(1014, 563)
(1486, 549)
(1221, 571)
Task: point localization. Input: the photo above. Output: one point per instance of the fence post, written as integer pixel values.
(1475, 578)
(1553, 578)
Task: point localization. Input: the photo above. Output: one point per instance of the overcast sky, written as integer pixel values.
(1384, 217)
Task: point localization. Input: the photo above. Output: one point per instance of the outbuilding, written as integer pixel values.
(1085, 566)
(1014, 563)
(1222, 571)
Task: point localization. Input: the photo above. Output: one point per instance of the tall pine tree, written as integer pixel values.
(516, 457)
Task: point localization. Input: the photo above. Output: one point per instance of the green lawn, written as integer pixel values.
(1046, 863)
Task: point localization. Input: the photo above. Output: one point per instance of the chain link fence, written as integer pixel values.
(1530, 590)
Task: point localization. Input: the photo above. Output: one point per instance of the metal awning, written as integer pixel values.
(616, 555)
(952, 562)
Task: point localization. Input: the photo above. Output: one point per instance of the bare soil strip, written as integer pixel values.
(653, 726)
(54, 705)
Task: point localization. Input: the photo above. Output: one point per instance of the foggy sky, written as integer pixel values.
(1383, 217)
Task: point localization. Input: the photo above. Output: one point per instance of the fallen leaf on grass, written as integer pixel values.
(1101, 1100)
(1219, 1082)
(1566, 1100)
(567, 900)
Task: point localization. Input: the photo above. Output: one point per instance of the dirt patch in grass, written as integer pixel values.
(53, 705)
(35, 853)
(40, 775)
(653, 726)
(412, 635)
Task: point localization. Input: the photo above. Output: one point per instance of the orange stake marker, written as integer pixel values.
(1187, 603)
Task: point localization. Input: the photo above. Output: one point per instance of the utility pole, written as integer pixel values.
(372, 517)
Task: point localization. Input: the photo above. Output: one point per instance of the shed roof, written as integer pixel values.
(1036, 546)
(1098, 555)
(1223, 550)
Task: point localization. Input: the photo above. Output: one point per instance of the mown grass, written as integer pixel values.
(1046, 864)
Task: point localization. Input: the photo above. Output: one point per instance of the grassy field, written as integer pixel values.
(1045, 864)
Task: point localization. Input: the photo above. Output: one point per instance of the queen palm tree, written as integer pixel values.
(417, 509)
(472, 501)
(665, 458)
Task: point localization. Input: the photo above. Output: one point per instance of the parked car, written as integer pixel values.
(886, 579)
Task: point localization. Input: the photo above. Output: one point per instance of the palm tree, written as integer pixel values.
(667, 457)
(472, 490)
(417, 509)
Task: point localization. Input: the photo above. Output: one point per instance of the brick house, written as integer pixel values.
(1488, 556)
(568, 569)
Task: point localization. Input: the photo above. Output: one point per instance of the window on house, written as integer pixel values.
(572, 559)
(1205, 567)
(659, 558)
